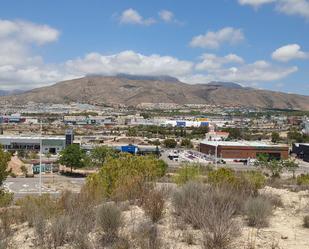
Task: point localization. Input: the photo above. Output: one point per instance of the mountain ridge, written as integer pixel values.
(132, 90)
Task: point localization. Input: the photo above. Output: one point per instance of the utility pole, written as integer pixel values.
(216, 154)
(40, 177)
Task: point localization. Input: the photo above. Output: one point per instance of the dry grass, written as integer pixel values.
(258, 211)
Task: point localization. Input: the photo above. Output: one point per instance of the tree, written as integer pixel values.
(291, 165)
(187, 173)
(186, 143)
(73, 156)
(100, 153)
(275, 137)
(275, 167)
(127, 173)
(5, 157)
(170, 143)
(24, 170)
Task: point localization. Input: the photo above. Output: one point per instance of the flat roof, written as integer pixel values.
(241, 143)
(33, 137)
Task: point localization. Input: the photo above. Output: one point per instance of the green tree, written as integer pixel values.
(73, 156)
(186, 143)
(187, 173)
(170, 143)
(275, 137)
(127, 172)
(273, 166)
(291, 165)
(5, 157)
(99, 154)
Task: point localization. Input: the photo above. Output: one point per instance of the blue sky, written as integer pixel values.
(259, 43)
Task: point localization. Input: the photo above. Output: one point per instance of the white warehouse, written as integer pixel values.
(49, 144)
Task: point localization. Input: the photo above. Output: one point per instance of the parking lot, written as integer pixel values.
(53, 185)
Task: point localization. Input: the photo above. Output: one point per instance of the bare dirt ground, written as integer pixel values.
(285, 231)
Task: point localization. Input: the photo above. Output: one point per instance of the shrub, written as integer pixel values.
(58, 231)
(303, 180)
(31, 206)
(187, 173)
(170, 143)
(120, 173)
(154, 205)
(306, 221)
(221, 176)
(109, 219)
(5, 198)
(275, 200)
(40, 225)
(258, 211)
(211, 209)
(250, 182)
(218, 225)
(187, 199)
(147, 237)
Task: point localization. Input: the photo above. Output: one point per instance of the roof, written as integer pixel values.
(241, 143)
(32, 137)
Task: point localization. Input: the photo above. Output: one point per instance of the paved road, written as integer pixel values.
(21, 186)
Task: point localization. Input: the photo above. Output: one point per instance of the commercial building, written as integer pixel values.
(301, 150)
(49, 144)
(243, 150)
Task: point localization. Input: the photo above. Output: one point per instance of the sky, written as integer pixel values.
(257, 43)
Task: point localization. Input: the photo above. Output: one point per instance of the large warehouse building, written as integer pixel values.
(243, 150)
(49, 144)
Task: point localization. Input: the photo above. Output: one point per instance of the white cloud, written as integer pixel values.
(216, 39)
(294, 7)
(21, 68)
(288, 7)
(255, 3)
(18, 65)
(166, 15)
(27, 32)
(211, 61)
(289, 52)
(131, 16)
(129, 62)
(247, 74)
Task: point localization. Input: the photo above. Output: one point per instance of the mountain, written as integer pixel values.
(133, 90)
(10, 92)
(225, 84)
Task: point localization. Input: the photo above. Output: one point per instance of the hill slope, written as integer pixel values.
(134, 90)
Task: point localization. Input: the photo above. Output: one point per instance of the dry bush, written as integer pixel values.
(258, 211)
(40, 225)
(188, 238)
(30, 206)
(81, 240)
(79, 209)
(187, 199)
(274, 199)
(306, 221)
(58, 231)
(217, 219)
(146, 236)
(109, 219)
(154, 205)
(211, 209)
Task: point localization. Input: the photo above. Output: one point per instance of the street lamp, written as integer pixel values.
(40, 177)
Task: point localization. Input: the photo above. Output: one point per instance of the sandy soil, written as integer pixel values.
(285, 230)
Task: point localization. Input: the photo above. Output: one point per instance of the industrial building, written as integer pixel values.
(301, 150)
(49, 144)
(243, 150)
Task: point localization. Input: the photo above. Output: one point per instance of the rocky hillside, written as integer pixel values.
(133, 90)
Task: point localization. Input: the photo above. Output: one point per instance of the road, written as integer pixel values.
(22, 186)
(303, 166)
